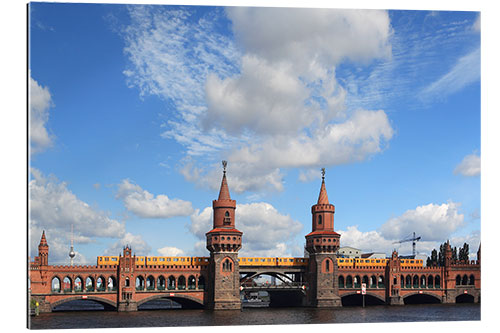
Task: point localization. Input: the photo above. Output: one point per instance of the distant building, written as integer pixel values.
(373, 255)
(349, 252)
(417, 256)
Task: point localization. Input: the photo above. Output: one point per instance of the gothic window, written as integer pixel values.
(227, 265)
(471, 280)
(127, 282)
(430, 282)
(227, 218)
(341, 281)
(458, 280)
(320, 219)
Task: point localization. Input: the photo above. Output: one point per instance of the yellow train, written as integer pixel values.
(252, 261)
(141, 261)
(276, 261)
(358, 262)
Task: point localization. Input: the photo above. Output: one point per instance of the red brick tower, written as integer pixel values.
(43, 251)
(126, 281)
(224, 242)
(393, 276)
(322, 244)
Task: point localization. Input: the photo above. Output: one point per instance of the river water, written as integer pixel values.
(257, 316)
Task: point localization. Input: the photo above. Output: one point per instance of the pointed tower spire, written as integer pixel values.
(43, 240)
(224, 189)
(323, 196)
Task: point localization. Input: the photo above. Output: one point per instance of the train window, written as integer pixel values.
(250, 259)
(341, 260)
(262, 260)
(162, 259)
(114, 259)
(378, 261)
(206, 259)
(154, 259)
(412, 261)
(176, 259)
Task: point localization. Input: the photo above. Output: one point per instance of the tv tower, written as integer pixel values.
(71, 251)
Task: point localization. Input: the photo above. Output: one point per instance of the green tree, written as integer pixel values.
(463, 252)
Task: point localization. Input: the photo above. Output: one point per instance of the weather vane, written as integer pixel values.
(323, 173)
(224, 165)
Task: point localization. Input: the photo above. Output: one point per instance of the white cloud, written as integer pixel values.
(40, 101)
(267, 105)
(170, 251)
(469, 167)
(54, 208)
(146, 205)
(266, 232)
(432, 222)
(138, 245)
(477, 23)
(466, 70)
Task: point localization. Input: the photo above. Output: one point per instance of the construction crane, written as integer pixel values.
(410, 239)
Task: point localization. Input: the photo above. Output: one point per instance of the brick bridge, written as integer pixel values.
(215, 282)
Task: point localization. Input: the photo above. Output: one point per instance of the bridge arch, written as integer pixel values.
(78, 284)
(355, 299)
(183, 300)
(282, 277)
(464, 298)
(421, 298)
(100, 300)
(55, 284)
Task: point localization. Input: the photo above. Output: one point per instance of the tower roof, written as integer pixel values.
(323, 196)
(224, 189)
(43, 240)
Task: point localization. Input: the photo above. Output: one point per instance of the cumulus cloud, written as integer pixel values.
(265, 98)
(146, 205)
(170, 251)
(54, 208)
(138, 245)
(433, 222)
(40, 101)
(469, 167)
(266, 232)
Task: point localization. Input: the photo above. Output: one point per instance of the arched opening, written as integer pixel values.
(341, 282)
(201, 282)
(191, 282)
(160, 284)
(327, 265)
(127, 282)
(227, 265)
(464, 298)
(171, 283)
(181, 283)
(56, 285)
(139, 283)
(471, 280)
(150, 283)
(465, 280)
(67, 285)
(348, 283)
(365, 280)
(357, 281)
(320, 220)
(78, 284)
(381, 282)
(430, 282)
(227, 218)
(408, 281)
(421, 299)
(437, 281)
(415, 281)
(458, 279)
(89, 284)
(422, 281)
(82, 305)
(373, 281)
(111, 283)
(100, 284)
(357, 300)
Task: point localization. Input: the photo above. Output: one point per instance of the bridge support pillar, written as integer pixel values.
(127, 306)
(395, 300)
(322, 290)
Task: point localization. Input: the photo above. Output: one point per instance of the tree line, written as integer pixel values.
(437, 258)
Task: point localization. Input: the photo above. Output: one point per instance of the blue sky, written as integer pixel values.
(133, 107)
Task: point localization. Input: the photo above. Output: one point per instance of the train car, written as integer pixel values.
(412, 263)
(276, 261)
(345, 262)
(107, 260)
(359, 262)
(200, 261)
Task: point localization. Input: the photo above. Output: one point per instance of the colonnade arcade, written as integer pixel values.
(101, 283)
